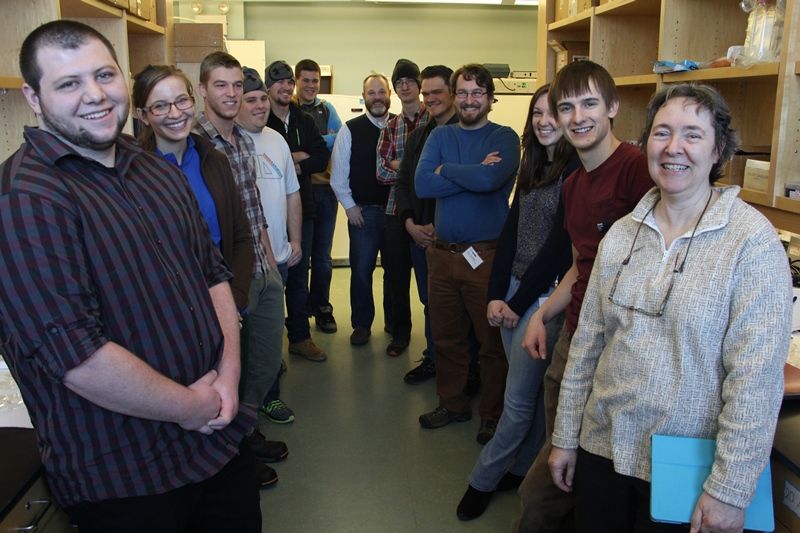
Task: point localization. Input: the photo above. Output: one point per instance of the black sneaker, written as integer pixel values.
(325, 321)
(425, 371)
(440, 417)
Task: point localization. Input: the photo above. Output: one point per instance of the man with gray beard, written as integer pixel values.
(354, 181)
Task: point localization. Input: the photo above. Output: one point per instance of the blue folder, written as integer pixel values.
(680, 467)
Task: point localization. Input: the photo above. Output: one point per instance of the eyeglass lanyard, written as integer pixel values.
(675, 270)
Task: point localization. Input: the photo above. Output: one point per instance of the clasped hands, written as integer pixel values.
(215, 401)
(498, 313)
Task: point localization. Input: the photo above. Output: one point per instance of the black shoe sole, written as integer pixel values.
(462, 417)
(273, 459)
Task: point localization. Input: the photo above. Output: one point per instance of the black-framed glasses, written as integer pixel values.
(181, 103)
(676, 269)
(476, 94)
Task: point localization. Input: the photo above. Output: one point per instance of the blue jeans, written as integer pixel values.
(321, 264)
(365, 243)
(420, 263)
(521, 430)
(262, 338)
(297, 290)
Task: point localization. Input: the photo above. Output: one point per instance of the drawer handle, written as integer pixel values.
(34, 525)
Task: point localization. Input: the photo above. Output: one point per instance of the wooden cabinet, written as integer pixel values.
(627, 36)
(137, 42)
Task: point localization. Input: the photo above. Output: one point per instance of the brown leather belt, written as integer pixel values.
(461, 247)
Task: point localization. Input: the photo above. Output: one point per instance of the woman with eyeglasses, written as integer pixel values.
(532, 252)
(684, 331)
(164, 103)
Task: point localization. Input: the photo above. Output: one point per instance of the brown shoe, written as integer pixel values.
(309, 350)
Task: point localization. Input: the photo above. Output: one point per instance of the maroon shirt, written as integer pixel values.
(593, 201)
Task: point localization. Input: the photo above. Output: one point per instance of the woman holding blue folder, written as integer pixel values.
(684, 331)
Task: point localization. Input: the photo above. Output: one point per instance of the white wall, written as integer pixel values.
(356, 38)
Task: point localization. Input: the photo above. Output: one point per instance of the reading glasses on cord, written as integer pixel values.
(182, 103)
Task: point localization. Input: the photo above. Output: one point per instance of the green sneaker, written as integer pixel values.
(278, 412)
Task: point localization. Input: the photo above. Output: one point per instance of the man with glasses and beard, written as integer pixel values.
(469, 168)
(354, 181)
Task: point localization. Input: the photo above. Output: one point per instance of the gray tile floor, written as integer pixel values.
(358, 459)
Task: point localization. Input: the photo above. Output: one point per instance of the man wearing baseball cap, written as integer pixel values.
(309, 154)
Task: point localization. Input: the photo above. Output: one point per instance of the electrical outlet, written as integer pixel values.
(528, 74)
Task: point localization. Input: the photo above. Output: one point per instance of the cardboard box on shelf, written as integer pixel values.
(569, 51)
(194, 54)
(570, 8)
(756, 175)
(187, 34)
(733, 173)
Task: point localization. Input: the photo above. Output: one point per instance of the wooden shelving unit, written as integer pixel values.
(137, 42)
(627, 36)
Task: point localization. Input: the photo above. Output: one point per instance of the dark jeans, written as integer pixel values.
(457, 299)
(227, 501)
(297, 290)
(608, 501)
(326, 207)
(396, 261)
(420, 263)
(365, 243)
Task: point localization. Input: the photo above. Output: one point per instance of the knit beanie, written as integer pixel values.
(405, 68)
(277, 71)
(252, 81)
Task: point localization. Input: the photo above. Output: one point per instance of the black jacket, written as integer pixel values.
(303, 136)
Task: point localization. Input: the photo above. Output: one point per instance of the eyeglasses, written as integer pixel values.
(182, 103)
(404, 81)
(476, 94)
(659, 311)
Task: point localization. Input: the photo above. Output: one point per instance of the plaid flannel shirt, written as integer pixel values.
(391, 146)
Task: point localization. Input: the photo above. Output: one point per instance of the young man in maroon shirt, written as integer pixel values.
(611, 181)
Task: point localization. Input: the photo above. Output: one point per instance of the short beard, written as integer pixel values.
(385, 103)
(79, 137)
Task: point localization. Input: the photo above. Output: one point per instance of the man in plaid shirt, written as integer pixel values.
(396, 257)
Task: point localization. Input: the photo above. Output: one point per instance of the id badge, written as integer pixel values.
(472, 258)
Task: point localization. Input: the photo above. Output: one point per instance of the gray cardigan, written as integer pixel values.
(711, 366)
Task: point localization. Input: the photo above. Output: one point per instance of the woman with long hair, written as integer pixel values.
(532, 252)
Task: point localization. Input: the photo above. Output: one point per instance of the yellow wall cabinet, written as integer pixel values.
(627, 36)
(138, 42)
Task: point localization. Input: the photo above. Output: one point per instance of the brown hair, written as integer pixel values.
(533, 171)
(477, 73)
(143, 84)
(215, 60)
(726, 139)
(576, 78)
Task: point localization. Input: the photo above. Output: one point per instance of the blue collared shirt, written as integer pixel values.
(190, 166)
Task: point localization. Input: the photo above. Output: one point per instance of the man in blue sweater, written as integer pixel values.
(469, 168)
